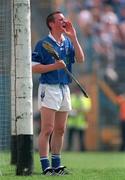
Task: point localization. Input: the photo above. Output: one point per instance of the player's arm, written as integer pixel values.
(79, 55)
(41, 68)
(71, 33)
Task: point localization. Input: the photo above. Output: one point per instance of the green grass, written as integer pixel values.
(84, 166)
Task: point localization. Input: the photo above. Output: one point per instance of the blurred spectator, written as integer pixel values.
(77, 121)
(86, 38)
(92, 3)
(116, 4)
(110, 21)
(119, 46)
(122, 14)
(121, 102)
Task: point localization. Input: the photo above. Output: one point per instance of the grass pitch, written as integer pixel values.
(83, 166)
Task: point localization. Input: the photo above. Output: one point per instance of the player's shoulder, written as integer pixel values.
(40, 42)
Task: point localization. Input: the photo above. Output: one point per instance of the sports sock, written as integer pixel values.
(44, 163)
(56, 160)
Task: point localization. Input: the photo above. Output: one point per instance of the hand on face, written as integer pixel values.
(69, 29)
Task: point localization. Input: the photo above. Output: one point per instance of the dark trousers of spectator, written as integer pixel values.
(71, 136)
(122, 148)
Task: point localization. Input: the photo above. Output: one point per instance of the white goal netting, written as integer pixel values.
(5, 61)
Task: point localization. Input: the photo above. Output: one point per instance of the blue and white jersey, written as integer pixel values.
(66, 53)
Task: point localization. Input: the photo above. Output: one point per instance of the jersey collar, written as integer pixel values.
(51, 36)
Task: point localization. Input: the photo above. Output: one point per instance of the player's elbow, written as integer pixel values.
(35, 68)
(80, 59)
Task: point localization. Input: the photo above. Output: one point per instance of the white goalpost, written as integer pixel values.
(16, 116)
(21, 102)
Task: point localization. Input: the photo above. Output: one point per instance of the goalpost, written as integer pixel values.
(22, 125)
(16, 126)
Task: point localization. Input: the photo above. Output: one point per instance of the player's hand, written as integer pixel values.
(60, 64)
(69, 30)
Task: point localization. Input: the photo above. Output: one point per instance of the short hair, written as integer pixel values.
(50, 18)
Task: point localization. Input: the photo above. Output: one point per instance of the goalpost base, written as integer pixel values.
(13, 149)
(25, 155)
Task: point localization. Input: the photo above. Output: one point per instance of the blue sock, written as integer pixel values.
(44, 163)
(56, 160)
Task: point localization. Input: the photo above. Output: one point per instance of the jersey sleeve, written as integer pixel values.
(37, 54)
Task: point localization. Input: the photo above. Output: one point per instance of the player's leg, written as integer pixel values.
(58, 132)
(47, 125)
(57, 142)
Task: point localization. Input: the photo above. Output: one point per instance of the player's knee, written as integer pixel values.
(60, 131)
(48, 131)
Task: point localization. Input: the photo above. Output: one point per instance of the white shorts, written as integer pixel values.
(55, 97)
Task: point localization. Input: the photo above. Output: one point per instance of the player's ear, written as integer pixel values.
(51, 24)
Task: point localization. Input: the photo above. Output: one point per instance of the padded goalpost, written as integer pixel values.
(16, 121)
(21, 86)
